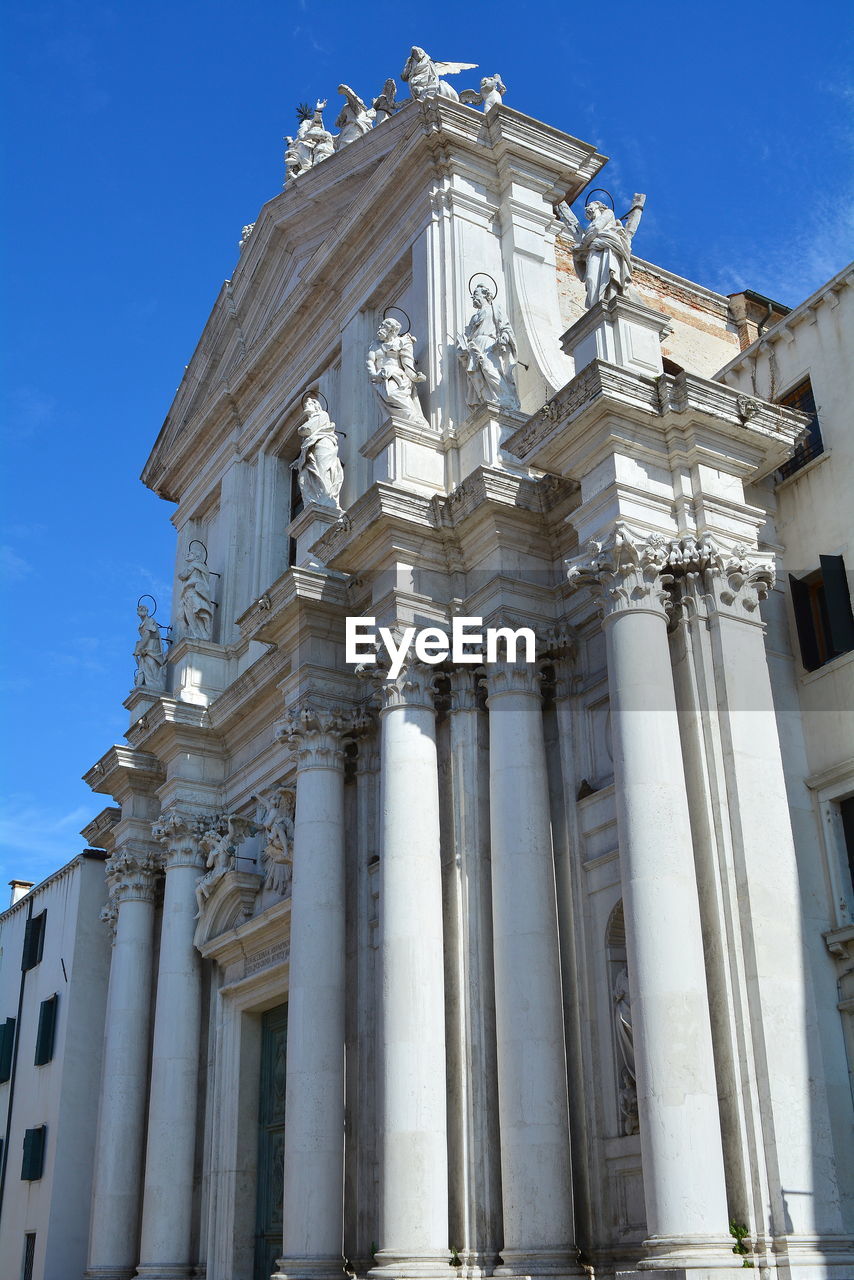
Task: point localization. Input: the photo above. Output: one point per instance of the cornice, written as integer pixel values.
(99, 833)
(122, 770)
(172, 726)
(382, 509)
(270, 616)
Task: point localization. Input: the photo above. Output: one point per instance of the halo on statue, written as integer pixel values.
(153, 601)
(599, 191)
(315, 394)
(482, 275)
(400, 311)
(197, 542)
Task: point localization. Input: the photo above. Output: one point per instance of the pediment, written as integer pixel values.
(230, 905)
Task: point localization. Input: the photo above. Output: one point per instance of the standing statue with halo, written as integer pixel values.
(487, 349)
(318, 466)
(148, 650)
(602, 252)
(391, 368)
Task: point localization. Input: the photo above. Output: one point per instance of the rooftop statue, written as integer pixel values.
(487, 350)
(354, 119)
(422, 74)
(318, 466)
(386, 104)
(196, 603)
(247, 232)
(391, 367)
(492, 90)
(312, 143)
(602, 252)
(148, 651)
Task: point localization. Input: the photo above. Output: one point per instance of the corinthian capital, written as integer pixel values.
(511, 677)
(413, 687)
(132, 874)
(734, 580)
(180, 833)
(625, 571)
(314, 735)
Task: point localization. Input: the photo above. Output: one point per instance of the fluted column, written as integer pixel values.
(167, 1211)
(413, 1216)
(313, 1224)
(680, 1132)
(117, 1183)
(536, 1176)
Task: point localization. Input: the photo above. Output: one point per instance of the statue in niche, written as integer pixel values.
(196, 600)
(219, 844)
(391, 367)
(276, 817)
(386, 104)
(354, 119)
(492, 90)
(318, 466)
(626, 1052)
(148, 651)
(487, 351)
(602, 252)
(422, 75)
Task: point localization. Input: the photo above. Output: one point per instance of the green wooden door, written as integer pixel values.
(271, 1142)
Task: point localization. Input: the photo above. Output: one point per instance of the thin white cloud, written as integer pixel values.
(12, 566)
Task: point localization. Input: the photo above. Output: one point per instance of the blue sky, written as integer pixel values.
(139, 138)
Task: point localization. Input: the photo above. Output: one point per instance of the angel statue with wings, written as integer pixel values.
(354, 119)
(492, 90)
(422, 74)
(602, 252)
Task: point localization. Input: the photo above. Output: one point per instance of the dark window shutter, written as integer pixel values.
(47, 1030)
(7, 1042)
(34, 941)
(29, 1255)
(838, 601)
(34, 1145)
(846, 808)
(804, 622)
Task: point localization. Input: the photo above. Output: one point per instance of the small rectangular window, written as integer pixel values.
(811, 444)
(46, 1031)
(29, 1255)
(34, 941)
(32, 1166)
(823, 617)
(7, 1044)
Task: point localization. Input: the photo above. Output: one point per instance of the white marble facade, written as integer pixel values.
(540, 929)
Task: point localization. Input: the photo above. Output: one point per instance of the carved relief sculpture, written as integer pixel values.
(487, 350)
(391, 367)
(148, 652)
(422, 75)
(276, 816)
(196, 601)
(219, 845)
(318, 466)
(603, 251)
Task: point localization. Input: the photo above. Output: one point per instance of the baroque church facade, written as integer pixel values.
(528, 967)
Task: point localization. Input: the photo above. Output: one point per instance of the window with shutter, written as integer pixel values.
(34, 941)
(32, 1166)
(29, 1255)
(46, 1031)
(811, 444)
(823, 617)
(7, 1044)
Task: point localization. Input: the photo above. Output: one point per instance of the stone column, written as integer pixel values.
(413, 1219)
(117, 1184)
(536, 1176)
(313, 1225)
(683, 1171)
(167, 1208)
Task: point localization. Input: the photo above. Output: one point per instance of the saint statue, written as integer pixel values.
(318, 466)
(354, 119)
(219, 843)
(386, 104)
(488, 353)
(196, 602)
(148, 651)
(602, 253)
(391, 367)
(422, 74)
(626, 1050)
(312, 143)
(276, 816)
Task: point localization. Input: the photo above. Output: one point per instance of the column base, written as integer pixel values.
(110, 1273)
(325, 1268)
(166, 1271)
(555, 1263)
(423, 1266)
(733, 1271)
